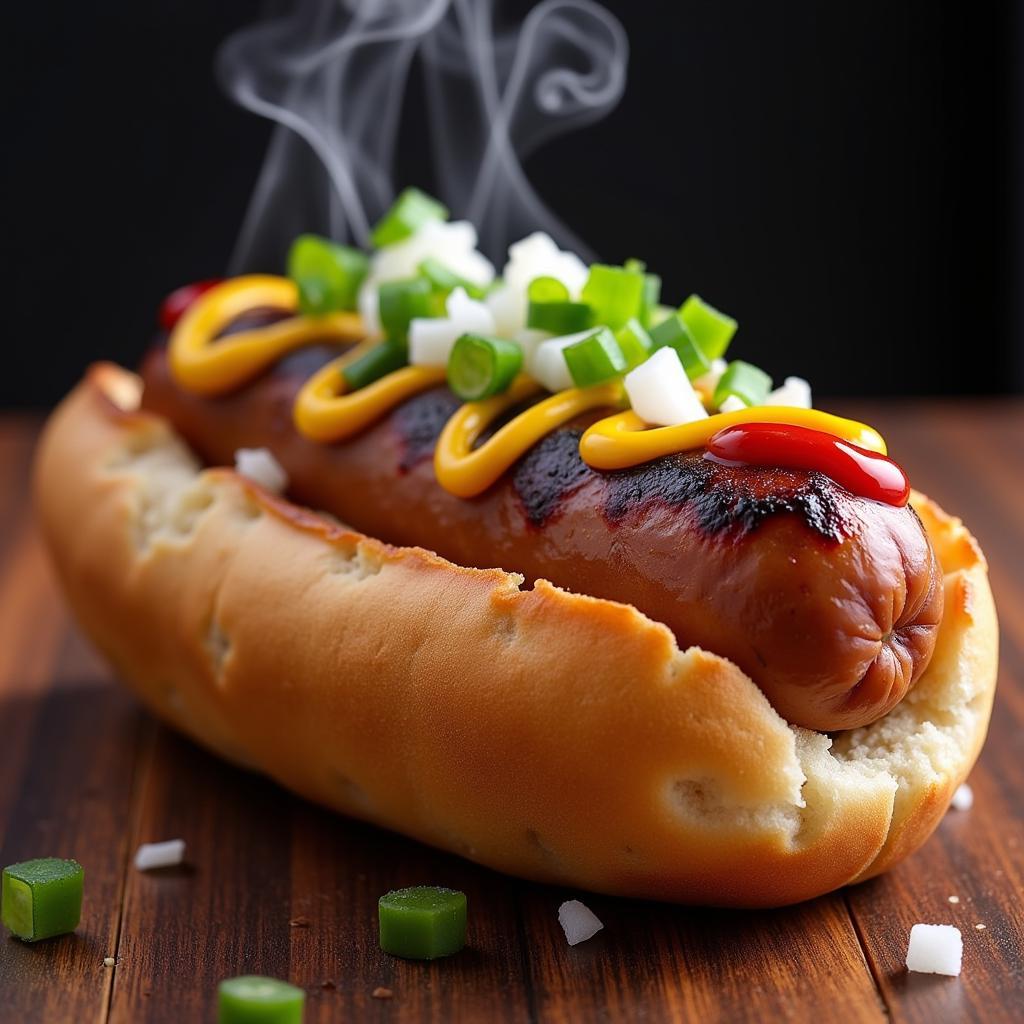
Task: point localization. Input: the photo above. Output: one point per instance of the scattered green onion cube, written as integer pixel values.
(422, 923)
(547, 289)
(672, 332)
(710, 329)
(560, 317)
(651, 298)
(251, 999)
(635, 342)
(409, 212)
(481, 366)
(616, 294)
(594, 359)
(381, 360)
(328, 275)
(42, 898)
(401, 302)
(748, 383)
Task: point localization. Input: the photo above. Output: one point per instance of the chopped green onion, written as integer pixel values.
(674, 333)
(746, 382)
(616, 294)
(547, 289)
(481, 366)
(594, 358)
(651, 297)
(710, 329)
(660, 313)
(381, 360)
(422, 923)
(403, 301)
(251, 999)
(444, 280)
(328, 275)
(635, 342)
(42, 898)
(409, 212)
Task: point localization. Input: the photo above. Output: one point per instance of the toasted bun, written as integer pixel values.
(546, 734)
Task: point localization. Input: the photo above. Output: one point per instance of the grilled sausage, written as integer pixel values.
(829, 601)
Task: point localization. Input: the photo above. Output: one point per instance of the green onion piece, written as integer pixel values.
(409, 212)
(402, 301)
(328, 275)
(547, 289)
(480, 366)
(381, 360)
(651, 298)
(745, 381)
(615, 294)
(710, 329)
(594, 358)
(422, 923)
(651, 293)
(42, 898)
(635, 342)
(674, 333)
(660, 313)
(444, 280)
(251, 999)
(549, 308)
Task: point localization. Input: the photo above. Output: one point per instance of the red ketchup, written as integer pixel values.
(790, 447)
(173, 307)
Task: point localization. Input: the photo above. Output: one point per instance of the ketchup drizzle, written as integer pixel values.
(860, 471)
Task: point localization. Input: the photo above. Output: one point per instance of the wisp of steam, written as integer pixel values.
(333, 75)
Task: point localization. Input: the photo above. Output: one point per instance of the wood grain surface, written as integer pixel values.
(276, 886)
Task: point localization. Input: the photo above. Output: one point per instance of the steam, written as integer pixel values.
(333, 75)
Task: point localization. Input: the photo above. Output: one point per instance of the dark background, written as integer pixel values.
(841, 177)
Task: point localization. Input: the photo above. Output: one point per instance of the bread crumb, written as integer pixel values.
(382, 993)
(979, 927)
(108, 961)
(299, 922)
(963, 798)
(328, 984)
(954, 899)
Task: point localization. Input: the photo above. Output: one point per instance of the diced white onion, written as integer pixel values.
(160, 855)
(660, 392)
(963, 798)
(578, 922)
(709, 381)
(733, 403)
(431, 339)
(529, 340)
(260, 466)
(537, 255)
(547, 363)
(935, 949)
(368, 302)
(452, 243)
(508, 307)
(794, 392)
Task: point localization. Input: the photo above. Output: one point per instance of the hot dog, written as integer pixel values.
(830, 602)
(502, 558)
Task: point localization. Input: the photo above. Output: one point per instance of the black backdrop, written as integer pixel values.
(839, 176)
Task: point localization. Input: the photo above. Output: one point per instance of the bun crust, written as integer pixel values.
(550, 735)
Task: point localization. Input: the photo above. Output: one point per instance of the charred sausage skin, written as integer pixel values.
(830, 602)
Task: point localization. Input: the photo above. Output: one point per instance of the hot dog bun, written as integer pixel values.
(549, 735)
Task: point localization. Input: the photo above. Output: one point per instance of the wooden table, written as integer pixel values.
(276, 886)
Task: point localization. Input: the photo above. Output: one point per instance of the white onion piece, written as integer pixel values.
(160, 855)
(660, 392)
(709, 381)
(431, 339)
(547, 363)
(963, 798)
(452, 243)
(578, 922)
(529, 340)
(794, 392)
(508, 307)
(368, 303)
(260, 466)
(935, 949)
(537, 255)
(733, 403)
